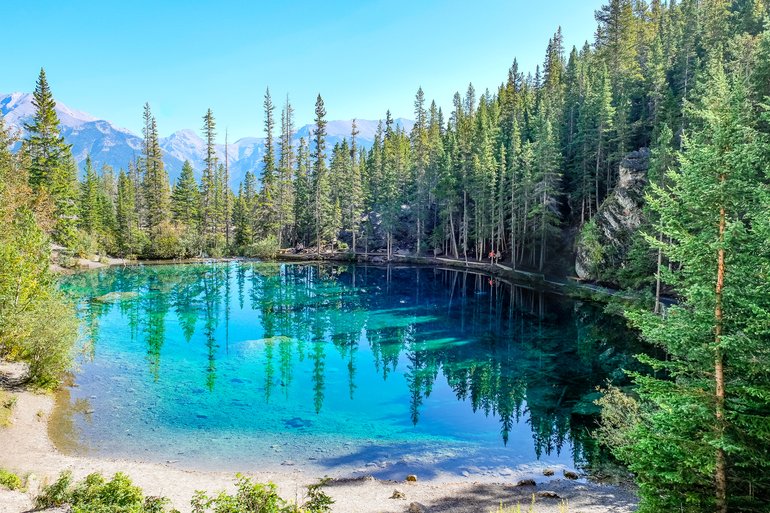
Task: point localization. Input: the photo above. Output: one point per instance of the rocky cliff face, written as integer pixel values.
(604, 241)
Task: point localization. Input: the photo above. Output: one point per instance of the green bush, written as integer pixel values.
(265, 248)
(262, 498)
(166, 242)
(37, 324)
(94, 494)
(85, 245)
(10, 480)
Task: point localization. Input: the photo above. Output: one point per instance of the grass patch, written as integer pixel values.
(7, 402)
(530, 508)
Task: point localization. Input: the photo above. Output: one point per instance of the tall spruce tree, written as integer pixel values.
(322, 207)
(185, 198)
(209, 181)
(285, 198)
(700, 443)
(51, 165)
(155, 184)
(268, 207)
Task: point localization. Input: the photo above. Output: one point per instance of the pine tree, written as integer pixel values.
(127, 222)
(699, 444)
(354, 200)
(322, 207)
(51, 165)
(268, 208)
(47, 149)
(285, 199)
(420, 151)
(155, 184)
(88, 217)
(185, 198)
(209, 182)
(303, 198)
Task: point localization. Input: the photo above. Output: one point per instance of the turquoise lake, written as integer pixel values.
(337, 369)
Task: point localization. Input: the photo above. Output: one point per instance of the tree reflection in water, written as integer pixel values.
(510, 351)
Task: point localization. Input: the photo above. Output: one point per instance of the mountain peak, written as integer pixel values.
(116, 147)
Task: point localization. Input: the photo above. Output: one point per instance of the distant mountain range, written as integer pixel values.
(116, 147)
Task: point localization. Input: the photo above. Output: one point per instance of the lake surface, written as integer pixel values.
(337, 369)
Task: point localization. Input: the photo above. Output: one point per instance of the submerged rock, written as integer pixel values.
(548, 472)
(605, 240)
(398, 495)
(571, 475)
(112, 297)
(526, 482)
(297, 423)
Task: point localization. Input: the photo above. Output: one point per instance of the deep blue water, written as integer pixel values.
(337, 369)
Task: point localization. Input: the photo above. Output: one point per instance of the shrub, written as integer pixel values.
(166, 242)
(10, 480)
(265, 248)
(85, 244)
(37, 324)
(264, 498)
(94, 494)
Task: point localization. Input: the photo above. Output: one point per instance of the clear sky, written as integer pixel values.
(109, 57)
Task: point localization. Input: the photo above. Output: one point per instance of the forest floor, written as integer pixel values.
(26, 449)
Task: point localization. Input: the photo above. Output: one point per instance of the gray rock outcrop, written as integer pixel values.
(603, 243)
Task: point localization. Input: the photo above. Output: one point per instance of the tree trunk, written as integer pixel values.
(657, 278)
(720, 471)
(452, 232)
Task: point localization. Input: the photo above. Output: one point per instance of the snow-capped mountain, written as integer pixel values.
(116, 147)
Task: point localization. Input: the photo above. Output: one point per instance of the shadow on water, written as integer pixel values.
(515, 354)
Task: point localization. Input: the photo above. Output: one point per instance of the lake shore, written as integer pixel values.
(28, 451)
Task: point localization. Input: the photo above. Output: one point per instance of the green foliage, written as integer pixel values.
(10, 480)
(703, 416)
(94, 494)
(265, 248)
(256, 497)
(166, 242)
(37, 325)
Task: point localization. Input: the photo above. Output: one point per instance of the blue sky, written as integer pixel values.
(109, 57)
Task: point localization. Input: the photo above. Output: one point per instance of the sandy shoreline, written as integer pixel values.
(25, 448)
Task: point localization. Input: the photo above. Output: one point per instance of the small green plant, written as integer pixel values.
(7, 402)
(317, 500)
(10, 480)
